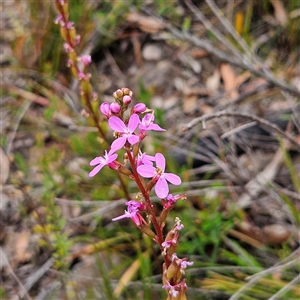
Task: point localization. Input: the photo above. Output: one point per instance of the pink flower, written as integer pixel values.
(133, 212)
(59, 20)
(147, 124)
(127, 132)
(85, 59)
(69, 24)
(81, 75)
(67, 47)
(183, 263)
(172, 291)
(158, 173)
(107, 160)
(144, 159)
(172, 199)
(167, 244)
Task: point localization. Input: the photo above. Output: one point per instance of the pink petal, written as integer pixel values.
(148, 119)
(111, 151)
(111, 158)
(95, 161)
(160, 161)
(133, 122)
(133, 139)
(116, 124)
(118, 143)
(125, 215)
(146, 171)
(161, 188)
(96, 170)
(156, 128)
(174, 179)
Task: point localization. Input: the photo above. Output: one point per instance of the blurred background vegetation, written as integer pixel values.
(57, 238)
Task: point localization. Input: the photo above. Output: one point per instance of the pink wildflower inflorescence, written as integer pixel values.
(129, 132)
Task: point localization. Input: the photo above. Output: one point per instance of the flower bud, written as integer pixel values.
(105, 109)
(127, 91)
(115, 108)
(136, 149)
(126, 100)
(139, 108)
(72, 32)
(124, 170)
(86, 87)
(118, 94)
(174, 273)
(63, 32)
(144, 228)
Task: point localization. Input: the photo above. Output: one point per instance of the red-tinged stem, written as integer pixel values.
(158, 229)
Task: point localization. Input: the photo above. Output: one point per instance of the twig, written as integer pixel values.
(236, 130)
(285, 288)
(33, 278)
(236, 295)
(254, 186)
(258, 276)
(207, 24)
(294, 111)
(16, 122)
(5, 263)
(48, 290)
(259, 120)
(228, 26)
(237, 61)
(284, 262)
(231, 30)
(83, 202)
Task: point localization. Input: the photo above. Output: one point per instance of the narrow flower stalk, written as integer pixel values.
(72, 39)
(79, 68)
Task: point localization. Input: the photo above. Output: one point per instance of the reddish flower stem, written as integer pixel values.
(158, 229)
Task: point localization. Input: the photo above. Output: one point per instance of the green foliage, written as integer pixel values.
(21, 163)
(167, 9)
(204, 230)
(108, 17)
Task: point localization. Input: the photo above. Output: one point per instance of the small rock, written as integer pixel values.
(152, 52)
(275, 234)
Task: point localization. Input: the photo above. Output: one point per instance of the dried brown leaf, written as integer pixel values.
(280, 12)
(21, 247)
(4, 167)
(147, 24)
(229, 78)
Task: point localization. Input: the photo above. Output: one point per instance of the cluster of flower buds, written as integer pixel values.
(130, 129)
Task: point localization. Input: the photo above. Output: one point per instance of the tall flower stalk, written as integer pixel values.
(79, 68)
(130, 127)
